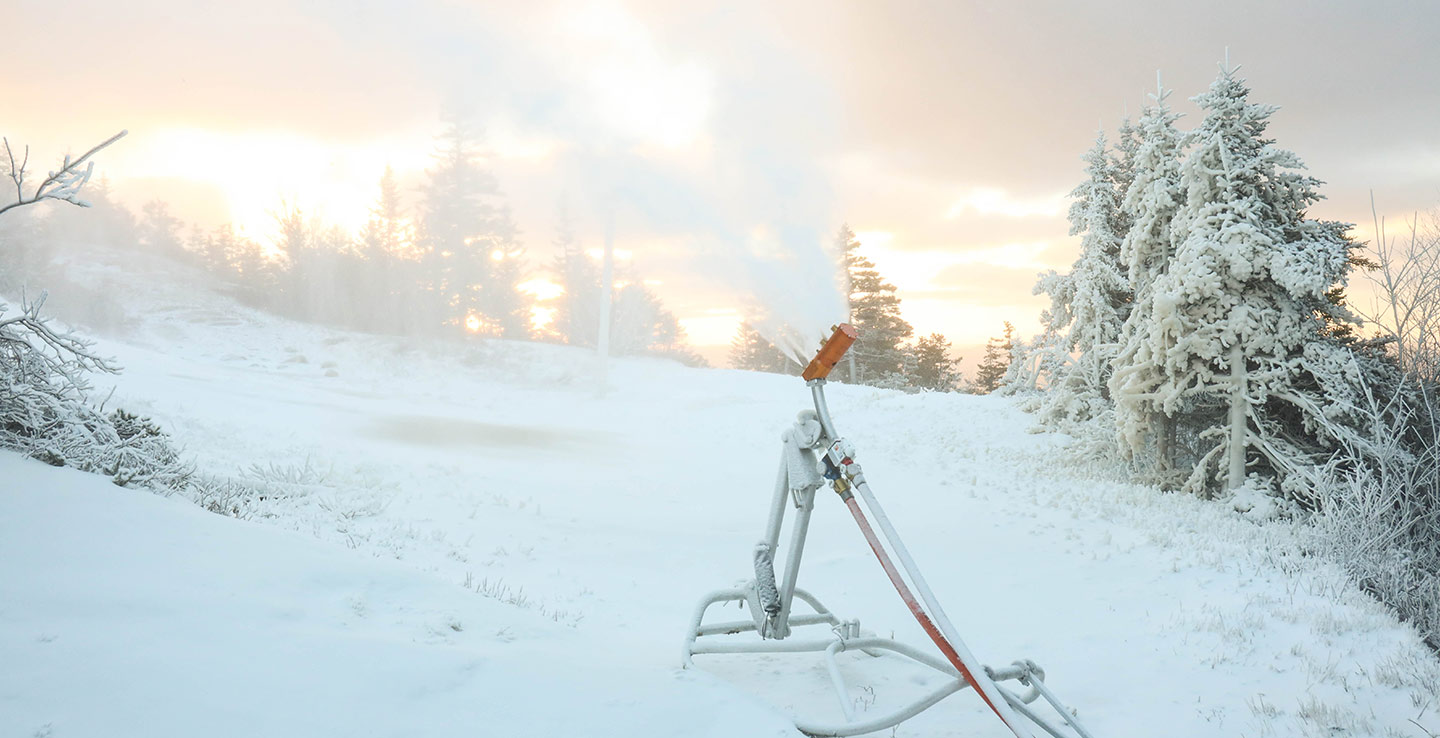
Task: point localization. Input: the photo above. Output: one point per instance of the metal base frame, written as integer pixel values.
(768, 601)
(846, 636)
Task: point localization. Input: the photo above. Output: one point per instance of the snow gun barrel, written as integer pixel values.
(831, 353)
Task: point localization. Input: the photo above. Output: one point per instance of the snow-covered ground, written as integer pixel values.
(480, 539)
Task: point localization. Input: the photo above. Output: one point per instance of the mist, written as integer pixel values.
(728, 143)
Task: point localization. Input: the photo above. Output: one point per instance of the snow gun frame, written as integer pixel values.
(769, 603)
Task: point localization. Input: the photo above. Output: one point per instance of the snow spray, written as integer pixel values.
(795, 292)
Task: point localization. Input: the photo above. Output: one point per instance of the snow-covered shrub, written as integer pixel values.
(45, 411)
(1381, 518)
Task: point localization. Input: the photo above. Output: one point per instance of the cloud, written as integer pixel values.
(732, 138)
(996, 201)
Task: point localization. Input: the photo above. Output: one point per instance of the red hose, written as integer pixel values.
(920, 615)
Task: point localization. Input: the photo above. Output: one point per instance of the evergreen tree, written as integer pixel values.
(1125, 164)
(386, 243)
(1091, 302)
(641, 325)
(293, 241)
(875, 313)
(242, 265)
(1151, 202)
(330, 290)
(902, 379)
(1102, 296)
(995, 363)
(1248, 357)
(471, 255)
(935, 368)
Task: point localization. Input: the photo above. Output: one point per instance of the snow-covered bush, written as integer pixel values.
(1380, 516)
(1380, 511)
(45, 411)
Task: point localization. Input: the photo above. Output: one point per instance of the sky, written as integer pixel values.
(729, 140)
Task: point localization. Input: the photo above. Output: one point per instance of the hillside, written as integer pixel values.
(484, 538)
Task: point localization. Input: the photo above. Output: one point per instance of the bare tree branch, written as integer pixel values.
(63, 185)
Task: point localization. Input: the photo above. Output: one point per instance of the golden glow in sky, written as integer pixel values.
(996, 201)
(716, 327)
(254, 170)
(948, 137)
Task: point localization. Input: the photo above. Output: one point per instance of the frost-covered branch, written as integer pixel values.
(63, 185)
(1408, 280)
(32, 348)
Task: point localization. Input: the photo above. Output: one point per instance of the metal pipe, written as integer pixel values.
(984, 686)
(1065, 713)
(837, 681)
(777, 506)
(822, 409)
(741, 626)
(792, 561)
(948, 647)
(813, 646)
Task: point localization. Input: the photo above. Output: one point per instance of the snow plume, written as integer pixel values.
(795, 290)
(775, 125)
(760, 233)
(746, 204)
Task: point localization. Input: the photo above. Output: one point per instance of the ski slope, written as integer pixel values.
(485, 538)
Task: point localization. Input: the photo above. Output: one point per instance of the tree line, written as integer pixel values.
(452, 264)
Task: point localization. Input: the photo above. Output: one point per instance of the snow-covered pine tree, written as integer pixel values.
(1150, 204)
(875, 313)
(1246, 357)
(1091, 302)
(641, 325)
(294, 240)
(1124, 161)
(935, 368)
(386, 242)
(472, 259)
(245, 270)
(995, 363)
(902, 379)
(1033, 367)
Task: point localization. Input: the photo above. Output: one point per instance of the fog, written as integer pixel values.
(728, 141)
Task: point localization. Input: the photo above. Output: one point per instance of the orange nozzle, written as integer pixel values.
(831, 352)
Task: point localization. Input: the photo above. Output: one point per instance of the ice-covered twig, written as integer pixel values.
(28, 335)
(63, 185)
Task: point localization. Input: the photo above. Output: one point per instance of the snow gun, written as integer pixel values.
(769, 600)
